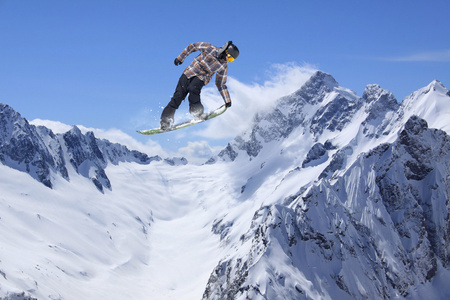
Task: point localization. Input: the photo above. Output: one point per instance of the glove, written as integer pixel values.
(177, 62)
(228, 104)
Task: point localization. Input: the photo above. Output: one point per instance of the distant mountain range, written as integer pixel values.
(40, 152)
(327, 195)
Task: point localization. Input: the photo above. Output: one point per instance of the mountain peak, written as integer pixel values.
(437, 83)
(5, 107)
(319, 79)
(373, 92)
(75, 131)
(9, 116)
(438, 86)
(434, 86)
(314, 90)
(380, 102)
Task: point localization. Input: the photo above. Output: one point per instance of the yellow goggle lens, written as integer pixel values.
(230, 58)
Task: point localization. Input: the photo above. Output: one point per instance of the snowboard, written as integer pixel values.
(213, 114)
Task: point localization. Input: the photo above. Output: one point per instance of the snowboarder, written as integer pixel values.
(198, 74)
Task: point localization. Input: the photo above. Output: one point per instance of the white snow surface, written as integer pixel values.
(151, 237)
(148, 238)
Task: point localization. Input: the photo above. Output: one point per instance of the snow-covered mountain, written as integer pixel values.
(363, 207)
(328, 195)
(41, 153)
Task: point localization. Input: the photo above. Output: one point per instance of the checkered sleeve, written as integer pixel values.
(221, 80)
(192, 48)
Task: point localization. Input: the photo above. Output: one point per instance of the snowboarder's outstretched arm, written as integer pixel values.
(192, 48)
(221, 80)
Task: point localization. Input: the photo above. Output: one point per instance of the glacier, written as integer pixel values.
(327, 195)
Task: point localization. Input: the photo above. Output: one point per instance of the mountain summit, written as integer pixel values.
(327, 195)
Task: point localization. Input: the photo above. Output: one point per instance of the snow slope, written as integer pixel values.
(141, 240)
(327, 196)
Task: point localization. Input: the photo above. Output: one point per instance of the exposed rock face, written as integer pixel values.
(384, 221)
(40, 152)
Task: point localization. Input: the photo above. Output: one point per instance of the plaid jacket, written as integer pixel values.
(205, 65)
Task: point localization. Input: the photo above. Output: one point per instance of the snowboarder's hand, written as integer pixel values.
(228, 104)
(177, 62)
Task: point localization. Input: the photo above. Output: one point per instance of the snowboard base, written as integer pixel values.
(213, 114)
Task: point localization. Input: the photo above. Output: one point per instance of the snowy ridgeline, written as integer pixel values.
(327, 196)
(43, 154)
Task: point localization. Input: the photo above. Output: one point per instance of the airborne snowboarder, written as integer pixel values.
(198, 74)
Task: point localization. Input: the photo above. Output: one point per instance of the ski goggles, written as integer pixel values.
(229, 57)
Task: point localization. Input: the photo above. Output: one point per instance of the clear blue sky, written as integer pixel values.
(106, 63)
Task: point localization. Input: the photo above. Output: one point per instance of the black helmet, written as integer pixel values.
(233, 50)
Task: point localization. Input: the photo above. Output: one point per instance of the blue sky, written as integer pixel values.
(109, 64)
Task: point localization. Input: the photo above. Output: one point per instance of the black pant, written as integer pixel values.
(192, 86)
